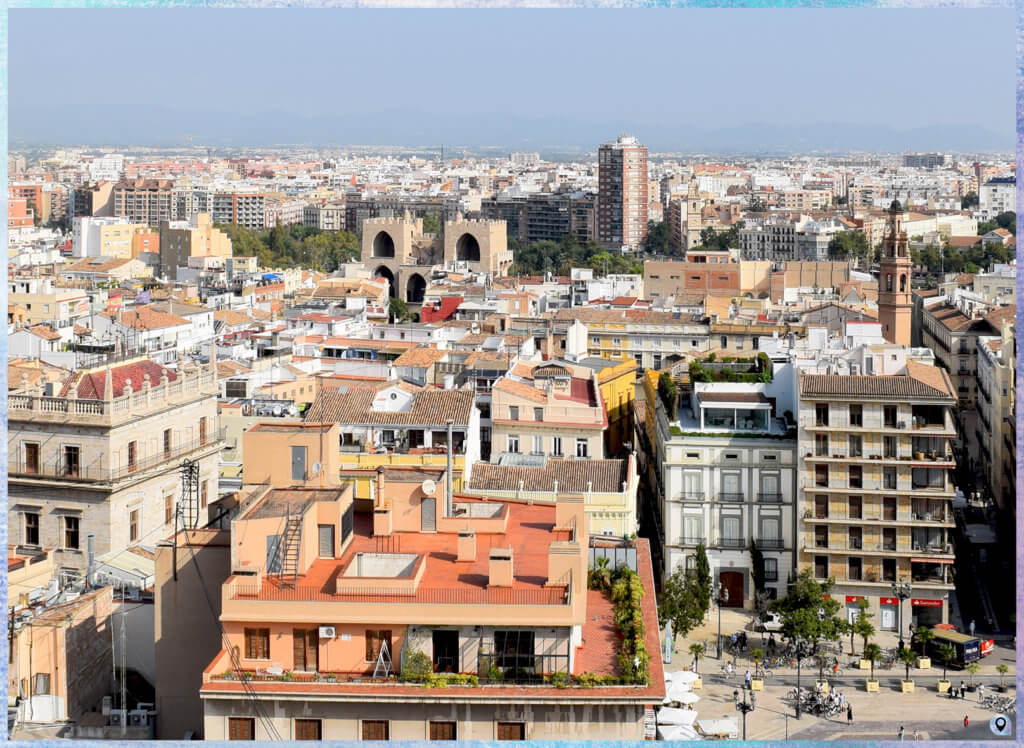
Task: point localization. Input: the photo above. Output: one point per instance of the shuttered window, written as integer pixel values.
(306, 646)
(326, 541)
(511, 731)
(241, 728)
(257, 644)
(376, 729)
(307, 729)
(373, 642)
(442, 731)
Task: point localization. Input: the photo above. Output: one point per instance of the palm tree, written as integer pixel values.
(946, 653)
(757, 655)
(600, 576)
(923, 636)
(907, 657)
(1002, 668)
(873, 653)
(697, 650)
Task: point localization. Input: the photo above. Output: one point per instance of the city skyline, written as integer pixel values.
(720, 61)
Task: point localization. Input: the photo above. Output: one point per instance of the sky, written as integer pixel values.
(680, 80)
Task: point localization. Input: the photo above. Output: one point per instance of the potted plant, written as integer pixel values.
(757, 682)
(907, 657)
(1002, 668)
(922, 636)
(697, 650)
(872, 653)
(972, 668)
(946, 654)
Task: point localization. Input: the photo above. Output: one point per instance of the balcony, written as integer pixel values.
(731, 543)
(769, 498)
(691, 540)
(690, 496)
(59, 471)
(770, 544)
(731, 497)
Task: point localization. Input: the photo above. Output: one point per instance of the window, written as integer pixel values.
(821, 475)
(308, 729)
(854, 570)
(167, 443)
(442, 730)
(374, 640)
(513, 444)
(513, 412)
(556, 446)
(538, 414)
(731, 528)
(298, 463)
(241, 728)
(856, 476)
(71, 535)
(821, 445)
(133, 525)
(306, 648)
(889, 477)
(511, 731)
(168, 509)
(771, 570)
(257, 644)
(41, 687)
(888, 570)
(820, 507)
(202, 430)
(724, 340)
(581, 447)
(71, 462)
(856, 446)
(31, 528)
(889, 416)
(856, 415)
(514, 650)
(133, 455)
(890, 446)
(821, 567)
(376, 729)
(204, 487)
(821, 414)
(31, 458)
(889, 508)
(538, 445)
(856, 505)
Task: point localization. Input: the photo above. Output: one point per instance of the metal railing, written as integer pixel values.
(731, 543)
(730, 497)
(60, 470)
(770, 498)
(485, 596)
(769, 543)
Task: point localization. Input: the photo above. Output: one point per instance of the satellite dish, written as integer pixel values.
(316, 468)
(429, 487)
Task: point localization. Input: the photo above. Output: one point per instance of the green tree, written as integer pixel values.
(1008, 221)
(863, 626)
(922, 636)
(968, 201)
(657, 238)
(946, 654)
(1002, 668)
(431, 224)
(756, 205)
(907, 657)
(599, 576)
(849, 245)
(697, 650)
(800, 607)
(872, 653)
(972, 669)
(398, 310)
(679, 603)
(702, 570)
(669, 394)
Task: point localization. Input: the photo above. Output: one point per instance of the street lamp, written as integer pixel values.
(722, 596)
(744, 706)
(901, 591)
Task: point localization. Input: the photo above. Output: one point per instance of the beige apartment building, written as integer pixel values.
(875, 488)
(101, 454)
(622, 200)
(180, 240)
(550, 410)
(995, 427)
(146, 201)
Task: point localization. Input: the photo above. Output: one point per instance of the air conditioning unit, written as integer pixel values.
(327, 632)
(108, 702)
(118, 717)
(138, 718)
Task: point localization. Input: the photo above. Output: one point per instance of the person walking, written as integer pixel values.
(917, 735)
(972, 627)
(746, 680)
(899, 735)
(849, 714)
(963, 690)
(966, 721)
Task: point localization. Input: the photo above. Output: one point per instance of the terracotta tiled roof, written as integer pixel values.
(97, 264)
(420, 357)
(91, 385)
(951, 318)
(231, 317)
(429, 408)
(606, 476)
(998, 317)
(45, 332)
(521, 389)
(916, 385)
(147, 318)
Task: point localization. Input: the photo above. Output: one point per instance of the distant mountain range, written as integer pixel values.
(155, 127)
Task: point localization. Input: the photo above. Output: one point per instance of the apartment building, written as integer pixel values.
(328, 608)
(92, 200)
(722, 491)
(144, 201)
(329, 217)
(180, 240)
(996, 409)
(552, 409)
(997, 195)
(243, 208)
(107, 237)
(875, 488)
(545, 216)
(47, 304)
(622, 194)
(101, 453)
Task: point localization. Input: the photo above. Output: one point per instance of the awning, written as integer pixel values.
(932, 560)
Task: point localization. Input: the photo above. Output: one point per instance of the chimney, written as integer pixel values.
(90, 544)
(466, 546)
(379, 486)
(500, 567)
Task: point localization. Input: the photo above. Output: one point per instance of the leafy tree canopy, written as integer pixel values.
(293, 246)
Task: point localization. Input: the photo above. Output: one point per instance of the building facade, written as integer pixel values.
(622, 194)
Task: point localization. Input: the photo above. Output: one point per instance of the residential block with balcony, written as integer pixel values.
(101, 453)
(727, 469)
(328, 608)
(875, 489)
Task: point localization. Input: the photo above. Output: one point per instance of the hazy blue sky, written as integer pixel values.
(488, 77)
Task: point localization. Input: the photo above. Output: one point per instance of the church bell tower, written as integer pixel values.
(894, 300)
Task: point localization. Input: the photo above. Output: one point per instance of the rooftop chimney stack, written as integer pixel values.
(466, 545)
(500, 567)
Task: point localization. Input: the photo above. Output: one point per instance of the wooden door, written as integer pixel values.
(732, 581)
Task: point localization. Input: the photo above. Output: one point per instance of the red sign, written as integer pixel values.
(888, 601)
(916, 603)
(854, 598)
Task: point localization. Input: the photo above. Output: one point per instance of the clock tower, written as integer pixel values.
(894, 299)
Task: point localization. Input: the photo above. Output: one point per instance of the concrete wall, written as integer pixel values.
(140, 652)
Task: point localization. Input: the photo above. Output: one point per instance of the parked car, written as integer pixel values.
(770, 622)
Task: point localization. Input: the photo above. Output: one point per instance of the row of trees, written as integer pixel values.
(293, 246)
(560, 257)
(934, 259)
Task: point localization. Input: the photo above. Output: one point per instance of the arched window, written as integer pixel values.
(903, 284)
(888, 281)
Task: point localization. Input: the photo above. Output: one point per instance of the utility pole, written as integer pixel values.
(124, 663)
